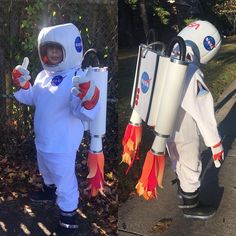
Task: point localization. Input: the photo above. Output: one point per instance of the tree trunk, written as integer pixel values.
(144, 17)
(234, 24)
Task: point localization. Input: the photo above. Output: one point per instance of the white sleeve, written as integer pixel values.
(25, 96)
(198, 103)
(80, 112)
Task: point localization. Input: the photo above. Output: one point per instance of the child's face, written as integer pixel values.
(54, 54)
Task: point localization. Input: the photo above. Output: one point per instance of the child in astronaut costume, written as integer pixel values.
(63, 97)
(195, 116)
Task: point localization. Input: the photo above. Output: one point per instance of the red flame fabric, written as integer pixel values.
(152, 176)
(131, 142)
(95, 177)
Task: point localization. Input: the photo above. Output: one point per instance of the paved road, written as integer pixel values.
(162, 217)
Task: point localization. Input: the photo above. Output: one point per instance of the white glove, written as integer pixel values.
(85, 89)
(21, 75)
(218, 154)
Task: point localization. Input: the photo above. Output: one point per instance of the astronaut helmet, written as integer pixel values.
(202, 40)
(60, 47)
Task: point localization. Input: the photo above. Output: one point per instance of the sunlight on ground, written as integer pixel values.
(43, 228)
(3, 226)
(81, 214)
(25, 229)
(97, 227)
(28, 210)
(2, 199)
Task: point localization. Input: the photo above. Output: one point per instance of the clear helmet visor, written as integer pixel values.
(51, 53)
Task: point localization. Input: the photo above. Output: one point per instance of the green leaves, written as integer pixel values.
(163, 14)
(132, 3)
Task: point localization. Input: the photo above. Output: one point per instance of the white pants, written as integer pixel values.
(59, 169)
(186, 163)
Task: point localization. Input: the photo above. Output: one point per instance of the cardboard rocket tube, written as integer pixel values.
(97, 127)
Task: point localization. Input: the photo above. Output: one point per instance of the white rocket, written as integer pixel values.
(97, 128)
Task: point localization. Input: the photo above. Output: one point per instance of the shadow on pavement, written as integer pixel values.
(211, 192)
(225, 100)
(21, 217)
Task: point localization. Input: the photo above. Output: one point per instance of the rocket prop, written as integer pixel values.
(156, 96)
(133, 132)
(97, 127)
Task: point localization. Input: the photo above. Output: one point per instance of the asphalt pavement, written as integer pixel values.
(162, 217)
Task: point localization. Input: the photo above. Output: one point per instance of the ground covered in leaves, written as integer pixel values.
(19, 176)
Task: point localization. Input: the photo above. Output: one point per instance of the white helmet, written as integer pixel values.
(67, 38)
(203, 39)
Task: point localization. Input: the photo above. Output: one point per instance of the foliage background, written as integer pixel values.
(168, 17)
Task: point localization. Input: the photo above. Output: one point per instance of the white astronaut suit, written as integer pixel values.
(195, 117)
(58, 114)
(196, 114)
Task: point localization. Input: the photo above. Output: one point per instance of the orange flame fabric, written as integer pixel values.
(131, 142)
(95, 177)
(152, 176)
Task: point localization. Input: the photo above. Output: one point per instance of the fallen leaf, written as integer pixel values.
(162, 225)
(112, 219)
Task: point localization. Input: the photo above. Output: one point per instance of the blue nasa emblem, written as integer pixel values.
(78, 44)
(209, 43)
(56, 80)
(145, 82)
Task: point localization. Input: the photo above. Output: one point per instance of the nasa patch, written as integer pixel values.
(78, 44)
(201, 89)
(209, 43)
(56, 80)
(145, 82)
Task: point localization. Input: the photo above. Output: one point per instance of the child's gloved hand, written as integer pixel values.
(218, 154)
(21, 76)
(86, 90)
